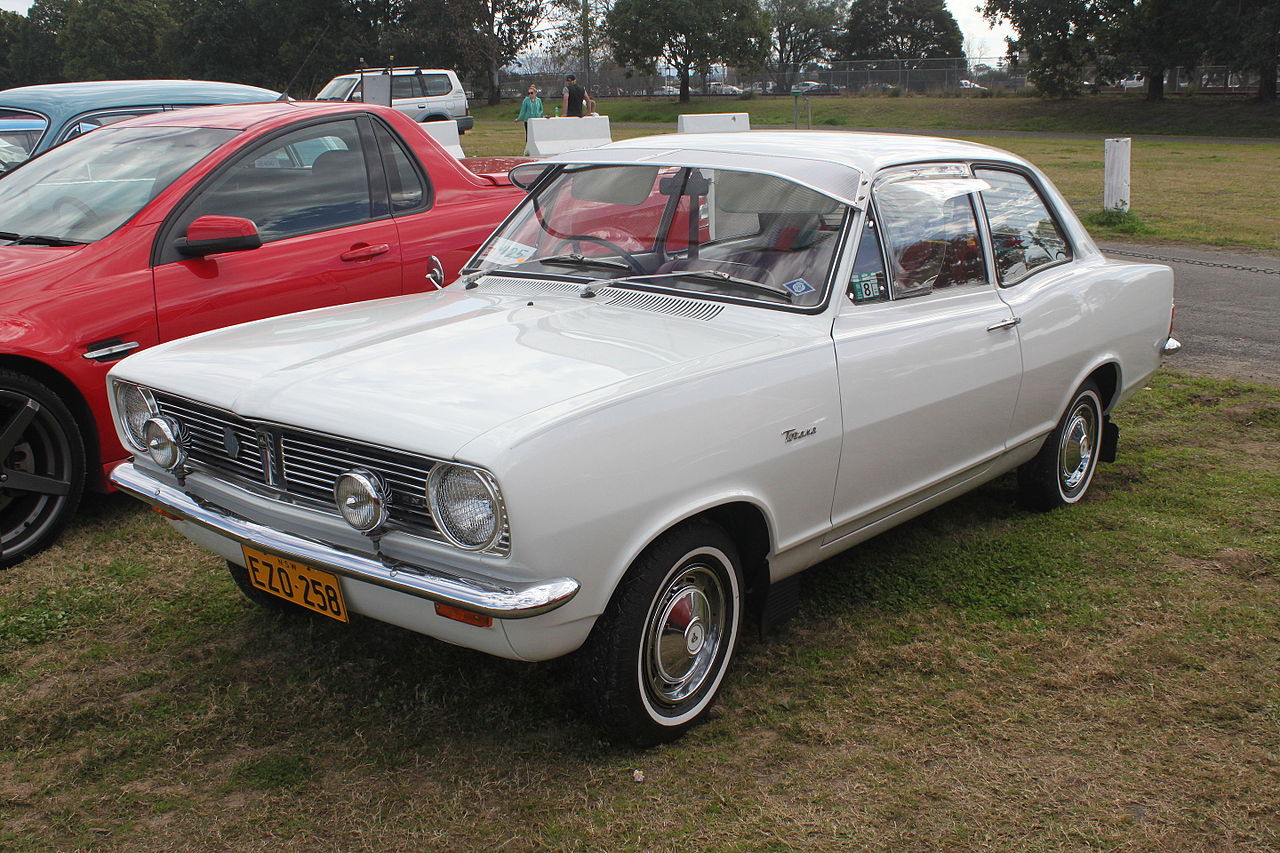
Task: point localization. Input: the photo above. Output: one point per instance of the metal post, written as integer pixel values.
(1115, 193)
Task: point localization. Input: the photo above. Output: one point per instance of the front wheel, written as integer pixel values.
(656, 657)
(1061, 472)
(42, 467)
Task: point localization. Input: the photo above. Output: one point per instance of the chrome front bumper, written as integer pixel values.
(491, 597)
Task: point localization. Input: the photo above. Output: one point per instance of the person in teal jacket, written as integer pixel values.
(530, 107)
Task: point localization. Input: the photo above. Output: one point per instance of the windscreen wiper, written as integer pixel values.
(581, 261)
(713, 275)
(37, 240)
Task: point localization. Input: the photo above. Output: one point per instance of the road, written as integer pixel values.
(1228, 319)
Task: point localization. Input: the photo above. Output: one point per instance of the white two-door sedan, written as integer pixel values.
(683, 370)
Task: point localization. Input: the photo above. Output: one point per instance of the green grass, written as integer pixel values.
(981, 677)
(1209, 116)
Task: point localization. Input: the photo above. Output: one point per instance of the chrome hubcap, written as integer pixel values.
(1075, 454)
(685, 633)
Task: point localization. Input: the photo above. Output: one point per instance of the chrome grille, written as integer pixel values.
(300, 467)
(207, 429)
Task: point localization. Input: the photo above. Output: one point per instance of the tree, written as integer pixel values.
(1156, 35)
(35, 56)
(1058, 37)
(688, 35)
(10, 31)
(803, 31)
(901, 29)
(1246, 37)
(581, 36)
(504, 28)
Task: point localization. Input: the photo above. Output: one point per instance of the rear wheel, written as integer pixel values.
(1061, 472)
(657, 656)
(42, 466)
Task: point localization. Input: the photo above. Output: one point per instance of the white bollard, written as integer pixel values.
(712, 122)
(1115, 193)
(446, 133)
(557, 135)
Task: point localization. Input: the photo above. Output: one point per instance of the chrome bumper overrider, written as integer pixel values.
(1171, 346)
(491, 597)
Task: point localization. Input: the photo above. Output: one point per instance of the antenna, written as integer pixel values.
(285, 94)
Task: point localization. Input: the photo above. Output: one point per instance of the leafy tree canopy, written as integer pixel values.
(901, 29)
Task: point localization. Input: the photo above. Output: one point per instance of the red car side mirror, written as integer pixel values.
(211, 235)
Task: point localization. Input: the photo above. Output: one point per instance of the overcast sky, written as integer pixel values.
(979, 37)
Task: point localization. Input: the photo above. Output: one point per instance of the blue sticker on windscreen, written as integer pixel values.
(799, 287)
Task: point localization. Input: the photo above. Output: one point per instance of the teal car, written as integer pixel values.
(33, 119)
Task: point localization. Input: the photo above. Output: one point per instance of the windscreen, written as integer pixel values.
(81, 191)
(699, 231)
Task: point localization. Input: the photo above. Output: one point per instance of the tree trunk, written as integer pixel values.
(1267, 82)
(684, 84)
(495, 93)
(1155, 84)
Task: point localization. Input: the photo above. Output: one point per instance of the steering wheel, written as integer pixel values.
(577, 239)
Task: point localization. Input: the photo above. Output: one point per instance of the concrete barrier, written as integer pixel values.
(556, 135)
(446, 133)
(713, 122)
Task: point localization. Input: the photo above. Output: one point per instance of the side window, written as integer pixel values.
(405, 184)
(405, 86)
(437, 84)
(867, 281)
(93, 121)
(1024, 235)
(930, 230)
(313, 179)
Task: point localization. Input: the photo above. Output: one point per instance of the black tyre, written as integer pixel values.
(1061, 472)
(265, 600)
(41, 467)
(657, 656)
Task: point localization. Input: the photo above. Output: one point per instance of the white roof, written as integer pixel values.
(834, 163)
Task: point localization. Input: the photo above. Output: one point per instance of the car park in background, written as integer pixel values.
(684, 370)
(51, 114)
(972, 86)
(423, 94)
(809, 87)
(175, 223)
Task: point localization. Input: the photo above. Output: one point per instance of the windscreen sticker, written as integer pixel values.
(504, 251)
(799, 287)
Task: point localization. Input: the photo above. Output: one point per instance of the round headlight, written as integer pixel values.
(362, 499)
(163, 437)
(134, 407)
(465, 505)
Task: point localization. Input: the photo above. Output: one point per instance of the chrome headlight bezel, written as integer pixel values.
(165, 436)
(373, 489)
(440, 510)
(133, 420)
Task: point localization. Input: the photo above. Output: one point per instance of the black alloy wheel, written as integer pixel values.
(42, 467)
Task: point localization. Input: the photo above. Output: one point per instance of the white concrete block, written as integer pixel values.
(549, 136)
(446, 133)
(713, 122)
(1115, 181)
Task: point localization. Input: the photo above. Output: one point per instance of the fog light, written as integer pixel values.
(362, 499)
(164, 439)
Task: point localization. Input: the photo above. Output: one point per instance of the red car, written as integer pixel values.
(175, 223)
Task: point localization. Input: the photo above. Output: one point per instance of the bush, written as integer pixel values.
(1116, 221)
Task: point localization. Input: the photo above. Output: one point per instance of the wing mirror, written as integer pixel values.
(212, 235)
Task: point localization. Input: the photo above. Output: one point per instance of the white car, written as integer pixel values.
(683, 370)
(423, 94)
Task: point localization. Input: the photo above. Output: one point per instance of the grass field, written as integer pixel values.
(1102, 678)
(1184, 190)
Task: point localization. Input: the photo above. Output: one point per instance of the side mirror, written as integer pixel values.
(212, 235)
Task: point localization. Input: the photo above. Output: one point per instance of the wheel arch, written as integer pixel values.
(1107, 377)
(70, 396)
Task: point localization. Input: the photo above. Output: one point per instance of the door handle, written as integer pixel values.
(365, 252)
(1005, 324)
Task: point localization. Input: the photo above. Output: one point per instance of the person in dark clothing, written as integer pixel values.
(577, 102)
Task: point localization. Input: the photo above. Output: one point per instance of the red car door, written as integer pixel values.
(327, 237)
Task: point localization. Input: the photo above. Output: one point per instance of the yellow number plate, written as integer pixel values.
(297, 582)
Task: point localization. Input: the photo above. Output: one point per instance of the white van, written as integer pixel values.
(423, 94)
